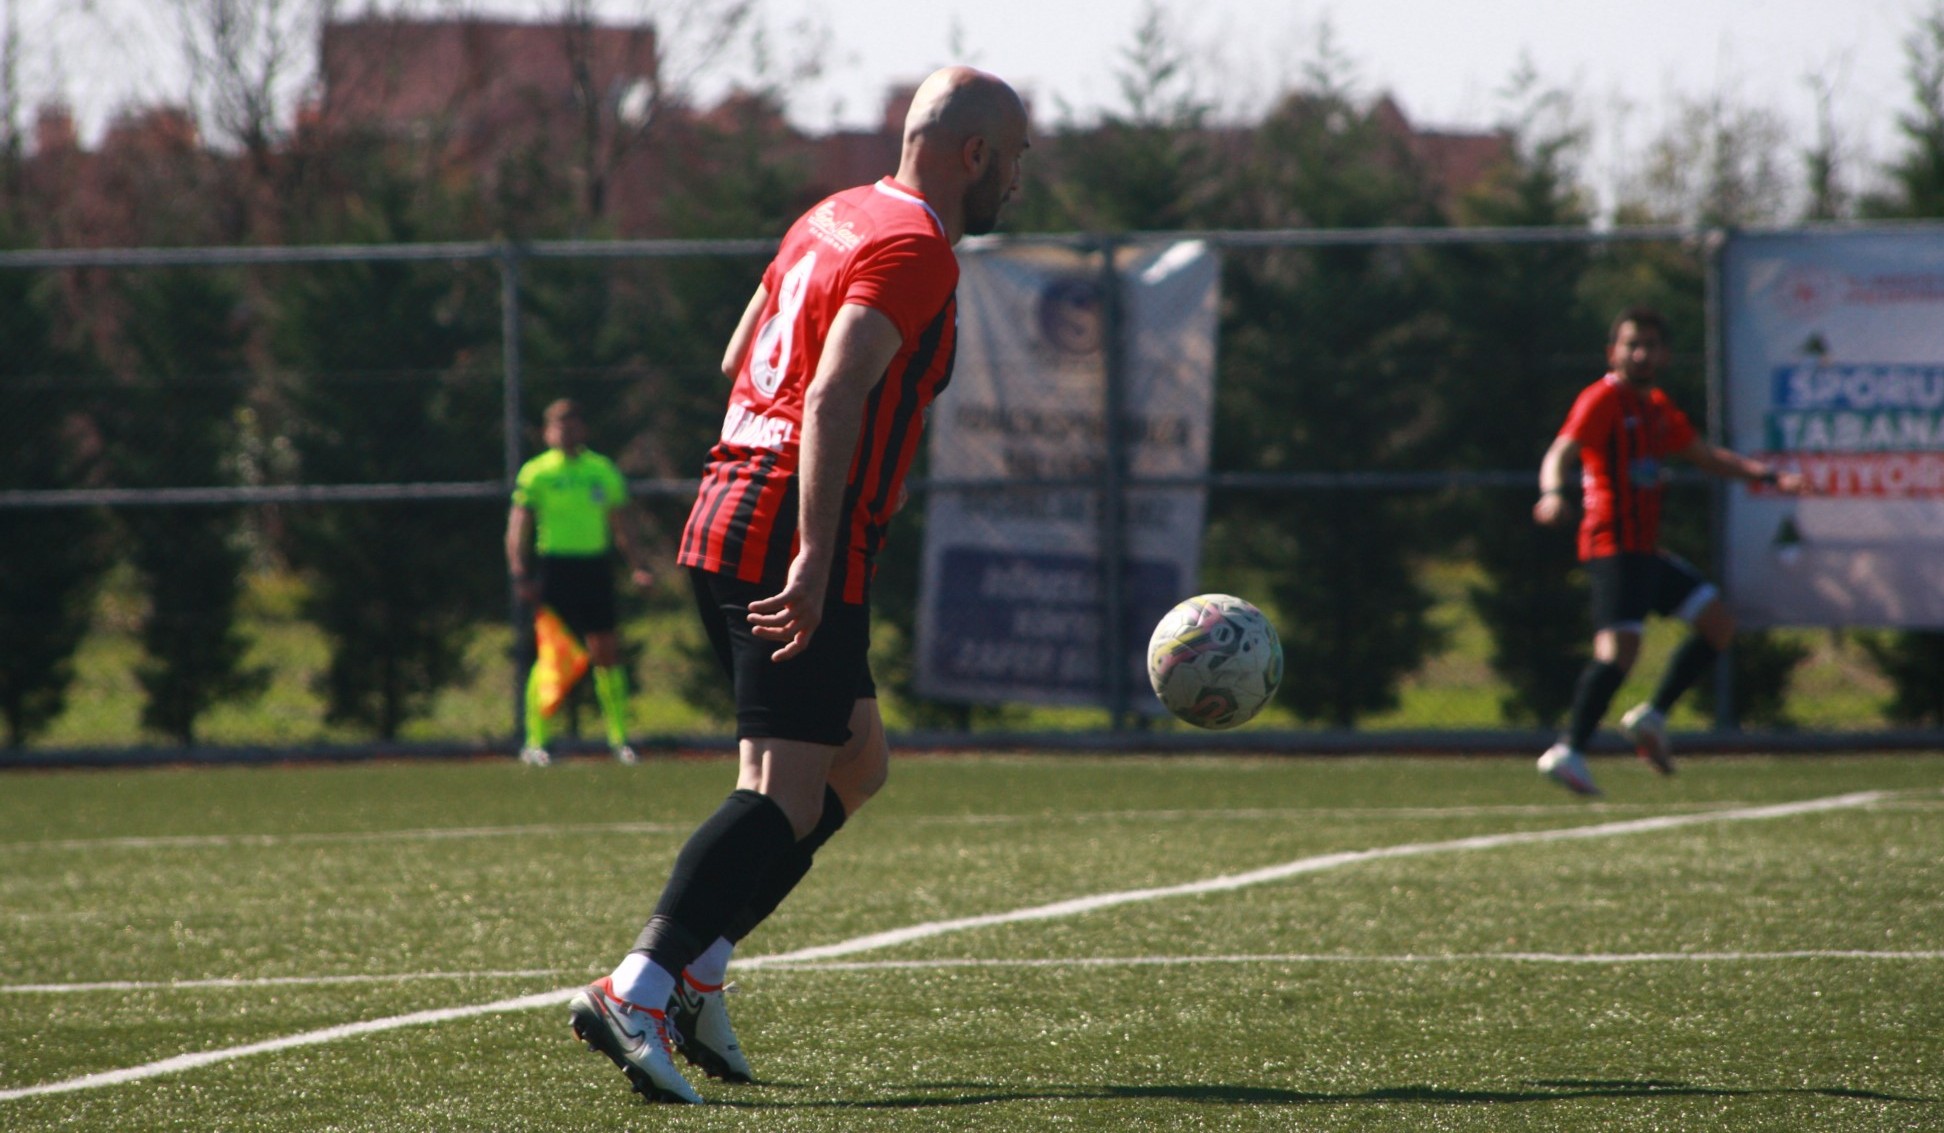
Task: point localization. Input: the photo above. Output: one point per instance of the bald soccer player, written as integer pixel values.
(834, 362)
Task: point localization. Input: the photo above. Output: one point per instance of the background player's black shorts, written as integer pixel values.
(580, 588)
(1629, 586)
(810, 696)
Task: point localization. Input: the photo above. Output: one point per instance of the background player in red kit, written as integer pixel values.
(1622, 429)
(835, 360)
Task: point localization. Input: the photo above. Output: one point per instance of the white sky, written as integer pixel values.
(1626, 61)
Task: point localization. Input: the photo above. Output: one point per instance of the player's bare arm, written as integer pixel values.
(859, 350)
(629, 529)
(1718, 461)
(519, 532)
(1555, 497)
(732, 356)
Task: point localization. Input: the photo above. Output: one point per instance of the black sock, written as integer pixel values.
(1683, 669)
(786, 871)
(1591, 696)
(714, 875)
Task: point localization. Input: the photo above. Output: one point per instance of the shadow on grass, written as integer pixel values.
(951, 1094)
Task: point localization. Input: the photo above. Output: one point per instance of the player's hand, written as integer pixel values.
(642, 577)
(1552, 508)
(528, 590)
(1792, 483)
(792, 615)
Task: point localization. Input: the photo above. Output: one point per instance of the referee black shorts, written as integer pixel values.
(1629, 586)
(808, 697)
(580, 588)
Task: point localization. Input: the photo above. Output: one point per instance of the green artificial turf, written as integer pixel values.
(1782, 972)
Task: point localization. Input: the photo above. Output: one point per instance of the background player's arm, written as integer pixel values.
(628, 527)
(519, 535)
(732, 357)
(860, 348)
(1718, 461)
(1555, 498)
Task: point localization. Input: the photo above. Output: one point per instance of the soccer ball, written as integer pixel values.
(1215, 661)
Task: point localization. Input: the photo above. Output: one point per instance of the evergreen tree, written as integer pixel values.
(1520, 347)
(51, 559)
(1149, 165)
(1323, 352)
(390, 379)
(172, 425)
(1914, 659)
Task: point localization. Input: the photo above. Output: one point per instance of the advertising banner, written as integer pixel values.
(1012, 595)
(1835, 366)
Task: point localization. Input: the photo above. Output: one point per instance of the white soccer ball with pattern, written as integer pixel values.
(1215, 660)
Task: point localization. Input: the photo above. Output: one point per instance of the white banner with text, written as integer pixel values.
(1011, 602)
(1835, 367)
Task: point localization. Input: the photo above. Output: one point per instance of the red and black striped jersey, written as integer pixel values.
(880, 246)
(1625, 435)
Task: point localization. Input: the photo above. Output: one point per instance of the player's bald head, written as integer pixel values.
(956, 103)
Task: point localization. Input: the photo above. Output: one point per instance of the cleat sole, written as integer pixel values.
(638, 1078)
(713, 1066)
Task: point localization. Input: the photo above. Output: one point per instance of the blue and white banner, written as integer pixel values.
(1011, 600)
(1835, 366)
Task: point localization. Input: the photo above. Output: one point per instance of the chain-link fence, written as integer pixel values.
(254, 496)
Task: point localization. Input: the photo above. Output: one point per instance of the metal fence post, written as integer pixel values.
(509, 269)
(1713, 242)
(1113, 480)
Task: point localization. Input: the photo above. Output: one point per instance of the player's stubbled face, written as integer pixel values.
(1636, 354)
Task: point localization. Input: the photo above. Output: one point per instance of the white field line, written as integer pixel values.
(221, 841)
(182, 1062)
(1374, 959)
(1405, 958)
(1234, 881)
(236, 983)
(873, 941)
(557, 829)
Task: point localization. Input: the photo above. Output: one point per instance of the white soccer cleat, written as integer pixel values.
(625, 754)
(533, 755)
(1646, 728)
(703, 1033)
(1567, 767)
(635, 1038)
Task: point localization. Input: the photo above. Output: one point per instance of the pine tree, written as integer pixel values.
(1521, 345)
(51, 559)
(1914, 659)
(172, 424)
(389, 379)
(1324, 351)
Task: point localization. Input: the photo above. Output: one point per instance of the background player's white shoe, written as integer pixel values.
(1646, 728)
(533, 755)
(625, 754)
(1567, 767)
(703, 1033)
(634, 1038)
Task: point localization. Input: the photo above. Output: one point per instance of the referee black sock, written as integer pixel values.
(720, 866)
(1591, 696)
(787, 870)
(1683, 669)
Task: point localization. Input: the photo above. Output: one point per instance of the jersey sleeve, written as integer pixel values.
(1592, 417)
(617, 485)
(907, 278)
(523, 485)
(1680, 430)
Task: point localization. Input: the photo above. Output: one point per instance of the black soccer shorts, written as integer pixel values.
(1629, 586)
(808, 697)
(580, 588)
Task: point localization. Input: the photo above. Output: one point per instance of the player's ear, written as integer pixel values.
(976, 153)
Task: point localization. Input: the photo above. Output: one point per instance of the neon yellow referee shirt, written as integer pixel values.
(570, 497)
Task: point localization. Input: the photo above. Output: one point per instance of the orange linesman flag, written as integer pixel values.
(561, 661)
